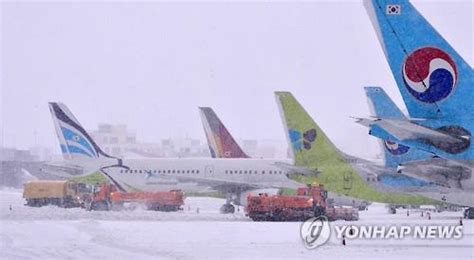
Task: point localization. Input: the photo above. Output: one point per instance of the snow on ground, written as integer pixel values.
(51, 233)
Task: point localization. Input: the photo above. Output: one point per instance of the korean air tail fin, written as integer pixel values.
(75, 142)
(220, 141)
(382, 106)
(434, 80)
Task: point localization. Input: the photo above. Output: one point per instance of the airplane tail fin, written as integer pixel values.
(75, 142)
(221, 143)
(312, 149)
(434, 80)
(382, 106)
(310, 146)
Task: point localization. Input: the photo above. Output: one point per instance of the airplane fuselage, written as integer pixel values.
(200, 174)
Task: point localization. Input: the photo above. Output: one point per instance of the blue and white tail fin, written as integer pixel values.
(75, 142)
(434, 80)
(382, 106)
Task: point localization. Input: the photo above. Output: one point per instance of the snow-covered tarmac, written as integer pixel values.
(55, 233)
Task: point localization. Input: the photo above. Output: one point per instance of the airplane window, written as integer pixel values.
(255, 172)
(178, 171)
(197, 171)
(245, 172)
(174, 171)
(263, 172)
(192, 171)
(169, 171)
(187, 171)
(270, 172)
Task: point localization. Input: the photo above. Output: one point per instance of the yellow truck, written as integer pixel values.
(61, 193)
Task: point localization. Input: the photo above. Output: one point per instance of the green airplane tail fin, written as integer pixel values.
(309, 144)
(312, 148)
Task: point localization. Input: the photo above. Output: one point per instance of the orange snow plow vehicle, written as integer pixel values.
(308, 202)
(106, 197)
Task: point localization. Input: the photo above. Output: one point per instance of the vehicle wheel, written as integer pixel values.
(227, 209)
(469, 213)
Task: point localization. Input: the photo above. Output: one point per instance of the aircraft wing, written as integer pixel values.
(441, 171)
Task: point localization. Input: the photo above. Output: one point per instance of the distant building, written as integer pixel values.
(186, 147)
(12, 154)
(41, 153)
(115, 140)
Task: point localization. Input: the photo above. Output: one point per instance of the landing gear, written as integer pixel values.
(392, 210)
(469, 213)
(227, 209)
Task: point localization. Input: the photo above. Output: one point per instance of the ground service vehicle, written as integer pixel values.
(310, 201)
(106, 197)
(65, 194)
(345, 213)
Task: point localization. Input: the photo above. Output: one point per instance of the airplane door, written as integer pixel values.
(347, 180)
(209, 171)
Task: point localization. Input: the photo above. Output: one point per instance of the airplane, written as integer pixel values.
(436, 86)
(223, 145)
(382, 106)
(415, 163)
(345, 174)
(230, 176)
(435, 83)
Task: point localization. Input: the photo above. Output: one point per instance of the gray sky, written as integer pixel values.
(150, 65)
